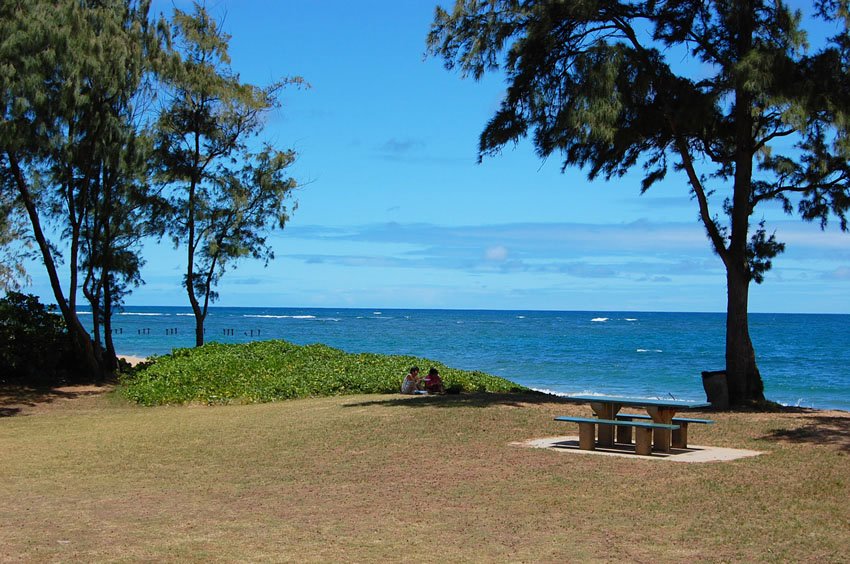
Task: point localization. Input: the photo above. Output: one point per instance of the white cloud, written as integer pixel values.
(496, 253)
(840, 273)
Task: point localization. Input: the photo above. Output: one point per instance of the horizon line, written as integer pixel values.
(472, 309)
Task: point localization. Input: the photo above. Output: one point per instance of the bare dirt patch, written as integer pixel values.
(17, 401)
(824, 428)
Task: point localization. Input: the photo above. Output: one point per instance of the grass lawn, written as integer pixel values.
(386, 477)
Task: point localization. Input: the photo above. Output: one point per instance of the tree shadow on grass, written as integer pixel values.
(818, 430)
(479, 399)
(22, 400)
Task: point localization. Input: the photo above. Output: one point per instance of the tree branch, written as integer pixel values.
(711, 228)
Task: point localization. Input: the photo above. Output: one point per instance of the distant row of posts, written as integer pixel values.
(173, 331)
(249, 333)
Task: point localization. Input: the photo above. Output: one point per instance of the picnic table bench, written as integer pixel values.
(643, 431)
(680, 435)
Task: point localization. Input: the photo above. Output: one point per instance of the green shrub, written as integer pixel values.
(273, 370)
(34, 345)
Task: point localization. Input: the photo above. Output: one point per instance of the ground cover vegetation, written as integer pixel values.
(117, 127)
(273, 370)
(389, 478)
(727, 94)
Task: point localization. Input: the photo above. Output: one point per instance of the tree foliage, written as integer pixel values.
(224, 197)
(122, 207)
(15, 244)
(70, 73)
(722, 92)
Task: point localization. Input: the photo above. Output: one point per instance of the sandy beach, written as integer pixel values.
(133, 360)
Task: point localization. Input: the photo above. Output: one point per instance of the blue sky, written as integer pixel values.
(394, 210)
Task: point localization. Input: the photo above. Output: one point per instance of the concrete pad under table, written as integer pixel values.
(694, 453)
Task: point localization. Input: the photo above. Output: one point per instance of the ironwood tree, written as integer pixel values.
(224, 197)
(123, 207)
(722, 92)
(123, 210)
(64, 65)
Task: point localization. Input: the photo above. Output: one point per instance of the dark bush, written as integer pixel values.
(35, 349)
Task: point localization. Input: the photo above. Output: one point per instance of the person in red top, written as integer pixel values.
(433, 382)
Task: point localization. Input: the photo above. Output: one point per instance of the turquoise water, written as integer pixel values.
(804, 359)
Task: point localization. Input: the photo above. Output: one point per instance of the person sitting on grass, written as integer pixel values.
(433, 382)
(411, 382)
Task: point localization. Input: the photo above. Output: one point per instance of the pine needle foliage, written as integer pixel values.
(725, 94)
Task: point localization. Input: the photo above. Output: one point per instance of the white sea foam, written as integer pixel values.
(520, 317)
(550, 392)
(799, 403)
(631, 319)
(600, 319)
(567, 394)
(621, 395)
(377, 313)
(282, 316)
(649, 350)
(143, 314)
(268, 316)
(185, 314)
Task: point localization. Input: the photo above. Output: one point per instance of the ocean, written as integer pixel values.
(804, 359)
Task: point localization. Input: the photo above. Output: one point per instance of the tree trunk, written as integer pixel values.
(190, 257)
(200, 314)
(199, 330)
(83, 349)
(742, 374)
(110, 359)
(96, 316)
(91, 292)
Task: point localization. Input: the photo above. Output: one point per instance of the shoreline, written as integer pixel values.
(784, 407)
(133, 360)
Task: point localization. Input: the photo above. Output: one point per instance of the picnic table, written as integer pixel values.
(661, 412)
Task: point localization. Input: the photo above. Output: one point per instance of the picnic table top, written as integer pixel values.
(645, 402)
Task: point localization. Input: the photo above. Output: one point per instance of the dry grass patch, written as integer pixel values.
(389, 478)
